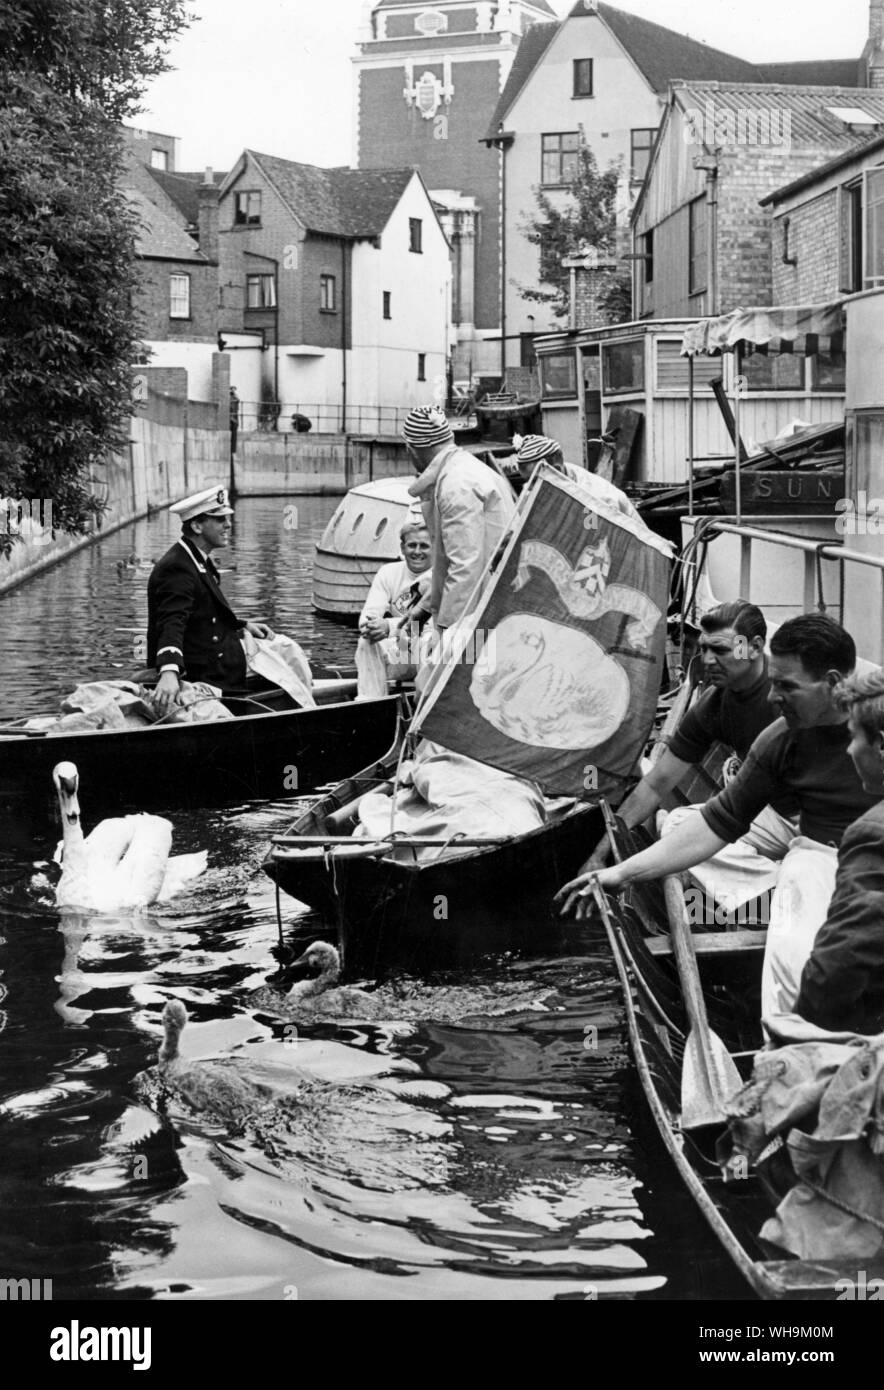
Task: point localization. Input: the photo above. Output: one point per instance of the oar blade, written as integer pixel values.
(709, 1078)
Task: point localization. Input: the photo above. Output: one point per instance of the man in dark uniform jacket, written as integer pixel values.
(191, 629)
(842, 984)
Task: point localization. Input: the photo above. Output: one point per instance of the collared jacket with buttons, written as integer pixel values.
(467, 507)
(190, 624)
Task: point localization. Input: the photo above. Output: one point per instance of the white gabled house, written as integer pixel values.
(337, 282)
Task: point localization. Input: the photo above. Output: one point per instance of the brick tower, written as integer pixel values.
(428, 78)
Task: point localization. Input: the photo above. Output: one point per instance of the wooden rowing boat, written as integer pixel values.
(730, 967)
(274, 750)
(495, 896)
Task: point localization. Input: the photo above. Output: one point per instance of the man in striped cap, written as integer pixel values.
(536, 448)
(466, 505)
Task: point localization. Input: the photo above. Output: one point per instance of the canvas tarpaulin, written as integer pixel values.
(555, 674)
(802, 329)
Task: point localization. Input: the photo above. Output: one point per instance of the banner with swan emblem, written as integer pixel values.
(555, 674)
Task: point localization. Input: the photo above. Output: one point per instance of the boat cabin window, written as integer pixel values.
(784, 371)
(865, 446)
(672, 368)
(381, 527)
(623, 366)
(360, 518)
(558, 375)
(827, 372)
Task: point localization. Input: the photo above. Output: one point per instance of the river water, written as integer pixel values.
(503, 1157)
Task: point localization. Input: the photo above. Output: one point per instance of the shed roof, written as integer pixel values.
(809, 109)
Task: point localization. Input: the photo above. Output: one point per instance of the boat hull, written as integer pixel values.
(433, 915)
(253, 757)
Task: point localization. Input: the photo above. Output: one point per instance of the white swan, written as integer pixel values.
(322, 994)
(124, 863)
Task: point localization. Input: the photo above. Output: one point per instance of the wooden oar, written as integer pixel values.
(709, 1076)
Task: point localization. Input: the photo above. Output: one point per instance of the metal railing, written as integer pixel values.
(815, 553)
(289, 417)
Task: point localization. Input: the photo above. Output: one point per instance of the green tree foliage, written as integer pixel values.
(70, 70)
(563, 227)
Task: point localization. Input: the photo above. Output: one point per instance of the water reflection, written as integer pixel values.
(427, 1156)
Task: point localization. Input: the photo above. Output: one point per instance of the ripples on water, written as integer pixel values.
(416, 1158)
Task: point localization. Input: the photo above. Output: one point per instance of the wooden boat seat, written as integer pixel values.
(714, 943)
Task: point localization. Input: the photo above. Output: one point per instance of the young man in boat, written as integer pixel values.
(536, 448)
(389, 624)
(732, 710)
(803, 756)
(842, 984)
(466, 506)
(191, 628)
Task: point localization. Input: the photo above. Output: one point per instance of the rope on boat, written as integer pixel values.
(279, 914)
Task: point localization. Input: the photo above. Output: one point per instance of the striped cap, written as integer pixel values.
(535, 447)
(426, 425)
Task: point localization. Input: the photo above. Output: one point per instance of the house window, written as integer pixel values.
(327, 294)
(873, 273)
(648, 254)
(247, 210)
(415, 234)
(179, 296)
(558, 163)
(388, 313)
(260, 292)
(850, 270)
(698, 259)
(641, 142)
(582, 77)
(422, 366)
(159, 159)
(623, 366)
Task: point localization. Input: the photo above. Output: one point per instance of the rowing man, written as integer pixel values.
(191, 628)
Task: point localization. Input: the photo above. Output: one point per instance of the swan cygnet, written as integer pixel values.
(321, 995)
(216, 1088)
(123, 863)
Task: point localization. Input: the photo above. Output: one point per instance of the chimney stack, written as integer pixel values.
(208, 217)
(873, 53)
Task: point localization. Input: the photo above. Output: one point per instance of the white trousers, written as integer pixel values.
(748, 867)
(800, 906)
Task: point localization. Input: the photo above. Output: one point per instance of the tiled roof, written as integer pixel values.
(811, 121)
(395, 5)
(159, 235)
(827, 72)
(528, 55)
(337, 202)
(183, 189)
(662, 55)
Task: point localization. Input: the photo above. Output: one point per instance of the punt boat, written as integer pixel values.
(494, 896)
(730, 973)
(272, 749)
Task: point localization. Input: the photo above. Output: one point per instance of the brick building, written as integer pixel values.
(428, 77)
(335, 291)
(827, 233)
(702, 236)
(176, 248)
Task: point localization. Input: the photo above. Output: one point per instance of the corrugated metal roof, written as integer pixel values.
(811, 122)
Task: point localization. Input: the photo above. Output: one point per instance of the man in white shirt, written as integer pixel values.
(399, 593)
(466, 505)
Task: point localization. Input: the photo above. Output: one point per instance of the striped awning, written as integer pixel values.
(803, 330)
